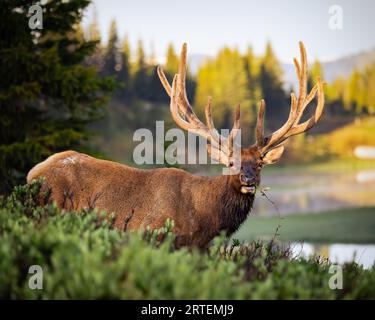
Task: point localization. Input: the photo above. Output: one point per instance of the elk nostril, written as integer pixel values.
(244, 179)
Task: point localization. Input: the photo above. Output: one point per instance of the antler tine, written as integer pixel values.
(183, 105)
(184, 102)
(210, 122)
(274, 138)
(174, 107)
(185, 117)
(182, 123)
(217, 153)
(182, 83)
(259, 130)
(164, 80)
(201, 130)
(235, 129)
(308, 124)
(208, 114)
(298, 106)
(302, 81)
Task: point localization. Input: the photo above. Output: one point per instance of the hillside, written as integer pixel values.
(341, 67)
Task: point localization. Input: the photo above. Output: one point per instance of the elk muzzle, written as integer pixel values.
(248, 183)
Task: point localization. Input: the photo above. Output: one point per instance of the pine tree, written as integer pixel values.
(254, 94)
(315, 72)
(93, 35)
(336, 93)
(252, 74)
(47, 97)
(224, 79)
(79, 34)
(270, 78)
(172, 60)
(112, 57)
(356, 92)
(125, 74)
(370, 85)
(140, 73)
(93, 32)
(353, 95)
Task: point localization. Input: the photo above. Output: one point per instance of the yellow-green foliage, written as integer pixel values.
(339, 143)
(343, 141)
(225, 80)
(83, 257)
(172, 60)
(356, 92)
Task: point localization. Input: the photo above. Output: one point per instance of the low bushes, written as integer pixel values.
(82, 257)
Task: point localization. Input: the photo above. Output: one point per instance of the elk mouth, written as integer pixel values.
(248, 189)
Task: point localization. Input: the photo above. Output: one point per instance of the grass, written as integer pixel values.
(340, 226)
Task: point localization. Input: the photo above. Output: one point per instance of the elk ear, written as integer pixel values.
(273, 155)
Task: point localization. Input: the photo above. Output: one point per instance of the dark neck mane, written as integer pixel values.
(234, 208)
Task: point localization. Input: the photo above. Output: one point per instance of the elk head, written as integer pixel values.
(244, 169)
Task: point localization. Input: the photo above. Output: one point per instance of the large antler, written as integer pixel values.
(221, 148)
(298, 106)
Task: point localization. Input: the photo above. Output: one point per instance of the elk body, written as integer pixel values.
(201, 207)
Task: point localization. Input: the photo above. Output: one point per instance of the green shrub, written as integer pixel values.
(83, 257)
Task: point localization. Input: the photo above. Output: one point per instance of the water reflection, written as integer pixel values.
(338, 253)
(316, 191)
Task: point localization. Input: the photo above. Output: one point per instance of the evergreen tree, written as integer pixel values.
(335, 95)
(93, 31)
(94, 36)
(370, 85)
(353, 95)
(79, 33)
(224, 79)
(125, 75)
(117, 64)
(112, 58)
(152, 60)
(172, 60)
(47, 97)
(140, 73)
(254, 94)
(356, 92)
(315, 72)
(270, 78)
(252, 74)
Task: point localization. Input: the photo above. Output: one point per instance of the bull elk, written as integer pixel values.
(201, 207)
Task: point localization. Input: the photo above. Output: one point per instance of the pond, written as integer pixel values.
(312, 192)
(338, 253)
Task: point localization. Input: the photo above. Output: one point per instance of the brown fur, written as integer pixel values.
(200, 206)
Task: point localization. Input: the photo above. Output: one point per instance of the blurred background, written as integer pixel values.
(86, 80)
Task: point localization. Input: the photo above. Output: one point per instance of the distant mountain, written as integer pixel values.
(341, 67)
